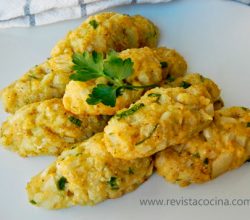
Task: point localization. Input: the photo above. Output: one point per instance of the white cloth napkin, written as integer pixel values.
(244, 1)
(26, 13)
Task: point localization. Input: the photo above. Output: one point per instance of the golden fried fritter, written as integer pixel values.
(42, 82)
(161, 118)
(223, 146)
(147, 70)
(113, 31)
(46, 128)
(196, 79)
(87, 175)
(173, 64)
(100, 32)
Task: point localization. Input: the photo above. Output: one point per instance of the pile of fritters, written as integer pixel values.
(180, 127)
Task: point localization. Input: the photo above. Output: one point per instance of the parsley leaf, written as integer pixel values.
(103, 93)
(61, 183)
(75, 121)
(87, 66)
(117, 68)
(248, 124)
(185, 84)
(130, 111)
(94, 23)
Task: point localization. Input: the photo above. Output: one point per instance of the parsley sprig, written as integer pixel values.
(88, 66)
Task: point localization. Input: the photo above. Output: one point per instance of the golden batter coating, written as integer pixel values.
(100, 32)
(161, 118)
(42, 82)
(196, 79)
(113, 31)
(173, 63)
(223, 146)
(87, 175)
(46, 128)
(148, 33)
(147, 69)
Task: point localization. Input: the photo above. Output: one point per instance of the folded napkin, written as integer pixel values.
(244, 1)
(25, 13)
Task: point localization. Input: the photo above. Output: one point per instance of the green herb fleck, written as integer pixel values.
(33, 202)
(185, 84)
(170, 78)
(248, 124)
(113, 183)
(206, 161)
(202, 78)
(218, 103)
(88, 66)
(154, 95)
(151, 34)
(75, 121)
(130, 171)
(164, 64)
(244, 108)
(94, 23)
(157, 95)
(149, 136)
(130, 111)
(33, 76)
(61, 183)
(197, 155)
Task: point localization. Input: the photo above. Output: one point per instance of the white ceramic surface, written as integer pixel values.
(214, 37)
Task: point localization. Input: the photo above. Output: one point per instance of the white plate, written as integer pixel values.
(214, 37)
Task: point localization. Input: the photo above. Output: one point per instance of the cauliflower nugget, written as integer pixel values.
(223, 146)
(100, 32)
(196, 79)
(106, 31)
(42, 82)
(161, 118)
(148, 68)
(87, 175)
(46, 128)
